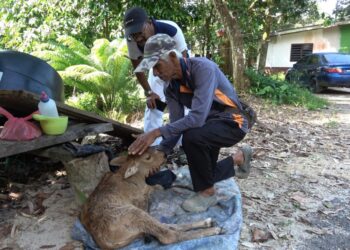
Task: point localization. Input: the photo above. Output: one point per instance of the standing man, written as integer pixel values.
(138, 28)
(214, 121)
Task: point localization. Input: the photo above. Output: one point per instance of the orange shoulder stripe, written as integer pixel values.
(222, 97)
(184, 89)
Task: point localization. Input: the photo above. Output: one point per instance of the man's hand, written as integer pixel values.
(151, 100)
(143, 141)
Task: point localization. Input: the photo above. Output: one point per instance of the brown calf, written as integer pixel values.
(116, 212)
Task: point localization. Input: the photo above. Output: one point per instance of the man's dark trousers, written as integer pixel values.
(202, 146)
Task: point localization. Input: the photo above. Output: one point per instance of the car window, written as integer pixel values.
(337, 58)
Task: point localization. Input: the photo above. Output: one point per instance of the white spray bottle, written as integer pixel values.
(47, 106)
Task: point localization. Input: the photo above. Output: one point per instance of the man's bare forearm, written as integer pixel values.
(141, 77)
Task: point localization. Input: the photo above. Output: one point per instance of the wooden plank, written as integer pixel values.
(24, 102)
(8, 148)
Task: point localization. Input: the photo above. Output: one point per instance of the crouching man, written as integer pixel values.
(215, 119)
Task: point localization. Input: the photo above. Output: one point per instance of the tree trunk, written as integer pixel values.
(236, 40)
(226, 55)
(106, 30)
(262, 56)
(264, 44)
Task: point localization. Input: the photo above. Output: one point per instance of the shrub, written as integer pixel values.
(85, 101)
(281, 92)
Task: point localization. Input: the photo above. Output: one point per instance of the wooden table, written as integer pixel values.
(22, 103)
(8, 148)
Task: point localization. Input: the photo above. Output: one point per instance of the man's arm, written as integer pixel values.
(143, 141)
(204, 88)
(141, 77)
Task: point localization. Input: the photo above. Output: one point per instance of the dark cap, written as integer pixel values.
(134, 19)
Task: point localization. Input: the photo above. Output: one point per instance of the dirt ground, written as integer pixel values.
(297, 196)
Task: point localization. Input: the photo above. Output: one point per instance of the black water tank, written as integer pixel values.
(21, 71)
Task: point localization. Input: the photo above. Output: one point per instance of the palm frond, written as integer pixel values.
(77, 80)
(53, 58)
(81, 68)
(58, 65)
(123, 66)
(115, 62)
(74, 44)
(99, 78)
(101, 51)
(46, 55)
(74, 79)
(121, 47)
(53, 51)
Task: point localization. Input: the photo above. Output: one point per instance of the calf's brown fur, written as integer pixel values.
(115, 213)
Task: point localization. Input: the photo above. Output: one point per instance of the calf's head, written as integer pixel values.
(142, 165)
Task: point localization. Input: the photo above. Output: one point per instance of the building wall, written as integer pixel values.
(324, 40)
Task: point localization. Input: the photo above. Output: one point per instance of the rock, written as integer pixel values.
(85, 173)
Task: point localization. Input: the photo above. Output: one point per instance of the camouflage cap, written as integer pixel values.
(155, 47)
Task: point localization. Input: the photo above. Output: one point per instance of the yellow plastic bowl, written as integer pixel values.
(52, 125)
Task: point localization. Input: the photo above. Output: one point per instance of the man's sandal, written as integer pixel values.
(243, 171)
(198, 203)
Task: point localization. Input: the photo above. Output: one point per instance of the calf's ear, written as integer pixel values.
(130, 172)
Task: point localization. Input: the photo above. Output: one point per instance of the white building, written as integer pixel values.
(288, 46)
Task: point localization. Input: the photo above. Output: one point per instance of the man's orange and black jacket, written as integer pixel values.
(207, 92)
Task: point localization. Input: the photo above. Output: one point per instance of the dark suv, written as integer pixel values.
(321, 70)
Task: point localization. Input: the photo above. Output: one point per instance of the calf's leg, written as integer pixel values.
(168, 234)
(207, 223)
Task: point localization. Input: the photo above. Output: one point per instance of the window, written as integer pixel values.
(299, 50)
(334, 58)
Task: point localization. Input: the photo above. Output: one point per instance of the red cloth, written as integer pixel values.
(18, 129)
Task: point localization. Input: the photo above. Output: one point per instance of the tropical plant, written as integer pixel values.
(103, 71)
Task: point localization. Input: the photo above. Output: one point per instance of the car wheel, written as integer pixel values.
(315, 87)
